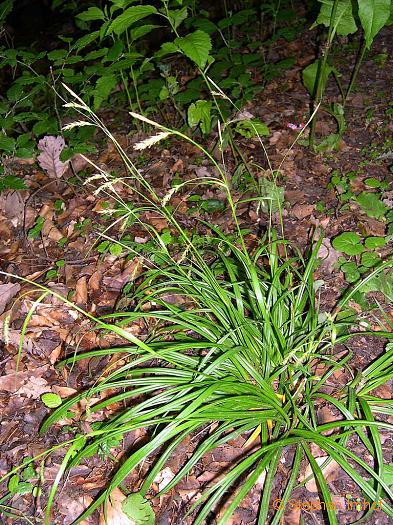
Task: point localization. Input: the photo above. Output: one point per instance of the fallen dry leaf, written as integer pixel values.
(49, 159)
(80, 296)
(13, 382)
(163, 478)
(12, 205)
(328, 255)
(7, 292)
(34, 387)
(300, 211)
(292, 515)
(113, 513)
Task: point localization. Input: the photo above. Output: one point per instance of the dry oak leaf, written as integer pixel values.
(12, 205)
(300, 211)
(80, 296)
(113, 513)
(7, 292)
(49, 159)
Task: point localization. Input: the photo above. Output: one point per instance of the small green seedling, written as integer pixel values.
(35, 231)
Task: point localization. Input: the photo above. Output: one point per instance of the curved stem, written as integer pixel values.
(355, 72)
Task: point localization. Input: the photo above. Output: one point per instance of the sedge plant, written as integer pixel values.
(244, 350)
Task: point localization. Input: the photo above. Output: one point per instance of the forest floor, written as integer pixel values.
(85, 266)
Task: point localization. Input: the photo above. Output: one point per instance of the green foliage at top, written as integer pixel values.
(129, 54)
(342, 18)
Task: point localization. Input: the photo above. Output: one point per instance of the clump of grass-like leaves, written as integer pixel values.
(243, 357)
(238, 346)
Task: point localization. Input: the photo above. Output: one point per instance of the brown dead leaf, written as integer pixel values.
(328, 255)
(300, 211)
(71, 508)
(7, 293)
(64, 391)
(80, 296)
(292, 515)
(11, 383)
(12, 205)
(159, 223)
(49, 230)
(34, 387)
(331, 472)
(113, 513)
(163, 478)
(177, 167)
(95, 281)
(5, 229)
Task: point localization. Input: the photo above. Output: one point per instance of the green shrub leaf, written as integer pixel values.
(344, 21)
(196, 46)
(199, 113)
(252, 128)
(369, 259)
(93, 13)
(374, 242)
(310, 76)
(103, 89)
(11, 182)
(129, 17)
(373, 15)
(177, 16)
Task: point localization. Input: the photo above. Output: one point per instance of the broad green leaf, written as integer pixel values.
(93, 13)
(252, 128)
(115, 51)
(372, 182)
(369, 259)
(138, 509)
(85, 40)
(11, 182)
(349, 243)
(212, 205)
(196, 46)
(373, 15)
(372, 205)
(310, 76)
(57, 54)
(115, 249)
(13, 483)
(374, 242)
(141, 31)
(5, 9)
(129, 17)
(177, 16)
(271, 196)
(103, 89)
(329, 143)
(343, 23)
(238, 18)
(167, 48)
(7, 144)
(51, 400)
(199, 113)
